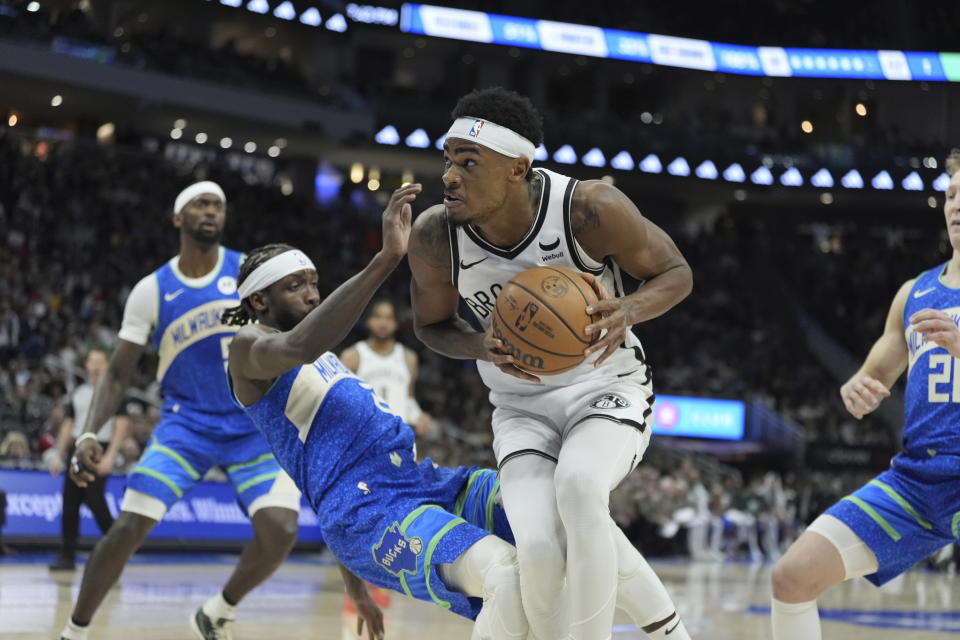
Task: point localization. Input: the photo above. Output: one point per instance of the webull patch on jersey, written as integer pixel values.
(396, 552)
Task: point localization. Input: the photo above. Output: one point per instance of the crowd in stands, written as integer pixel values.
(162, 49)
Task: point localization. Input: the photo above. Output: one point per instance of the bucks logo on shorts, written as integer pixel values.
(396, 552)
(610, 401)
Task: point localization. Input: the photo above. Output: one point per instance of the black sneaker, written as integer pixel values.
(209, 629)
(63, 562)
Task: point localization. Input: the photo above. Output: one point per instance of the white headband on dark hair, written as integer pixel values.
(273, 270)
(493, 136)
(197, 189)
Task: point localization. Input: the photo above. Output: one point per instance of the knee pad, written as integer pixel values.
(858, 559)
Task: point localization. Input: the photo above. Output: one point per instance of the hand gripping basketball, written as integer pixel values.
(496, 352)
(539, 320)
(611, 315)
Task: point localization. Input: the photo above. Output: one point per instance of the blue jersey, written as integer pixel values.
(320, 420)
(932, 407)
(193, 348)
(389, 519)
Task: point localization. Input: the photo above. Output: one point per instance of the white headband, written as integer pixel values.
(197, 189)
(274, 269)
(493, 136)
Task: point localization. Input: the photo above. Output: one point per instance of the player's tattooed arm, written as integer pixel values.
(584, 220)
(609, 226)
(367, 610)
(433, 296)
(435, 299)
(430, 238)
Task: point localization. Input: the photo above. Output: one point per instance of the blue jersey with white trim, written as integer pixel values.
(932, 405)
(320, 419)
(193, 347)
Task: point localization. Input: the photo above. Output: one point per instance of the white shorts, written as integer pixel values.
(539, 423)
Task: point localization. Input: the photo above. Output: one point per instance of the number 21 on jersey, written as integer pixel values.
(944, 370)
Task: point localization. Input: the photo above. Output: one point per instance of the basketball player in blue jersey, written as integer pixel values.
(564, 442)
(415, 528)
(913, 509)
(200, 425)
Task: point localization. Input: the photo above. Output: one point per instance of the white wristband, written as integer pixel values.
(89, 435)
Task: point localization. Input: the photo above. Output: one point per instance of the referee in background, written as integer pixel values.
(110, 436)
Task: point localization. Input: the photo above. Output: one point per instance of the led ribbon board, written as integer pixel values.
(699, 417)
(685, 53)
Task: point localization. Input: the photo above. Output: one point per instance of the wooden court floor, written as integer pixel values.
(304, 601)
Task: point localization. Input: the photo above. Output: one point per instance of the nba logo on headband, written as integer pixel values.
(475, 129)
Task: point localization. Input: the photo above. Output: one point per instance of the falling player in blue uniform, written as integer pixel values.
(909, 511)
(200, 425)
(415, 528)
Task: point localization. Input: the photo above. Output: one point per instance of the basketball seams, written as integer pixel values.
(506, 324)
(552, 310)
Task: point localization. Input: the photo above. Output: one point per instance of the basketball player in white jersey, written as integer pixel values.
(388, 366)
(564, 442)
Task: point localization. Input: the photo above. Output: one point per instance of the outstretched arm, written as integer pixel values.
(257, 355)
(867, 388)
(432, 293)
(367, 609)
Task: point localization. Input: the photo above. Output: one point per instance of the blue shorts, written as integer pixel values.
(479, 504)
(391, 521)
(904, 515)
(178, 457)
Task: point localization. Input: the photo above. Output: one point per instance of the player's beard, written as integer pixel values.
(205, 236)
(456, 222)
(287, 320)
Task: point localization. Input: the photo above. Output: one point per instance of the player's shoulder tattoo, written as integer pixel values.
(584, 212)
(431, 236)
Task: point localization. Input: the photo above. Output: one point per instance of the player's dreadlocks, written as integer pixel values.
(953, 162)
(245, 314)
(503, 107)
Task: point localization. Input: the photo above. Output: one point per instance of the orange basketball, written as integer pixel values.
(541, 315)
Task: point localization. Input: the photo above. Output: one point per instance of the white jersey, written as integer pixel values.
(480, 270)
(388, 374)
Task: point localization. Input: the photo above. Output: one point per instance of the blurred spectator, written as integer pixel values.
(15, 450)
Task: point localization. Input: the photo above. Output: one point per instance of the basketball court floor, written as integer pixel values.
(304, 600)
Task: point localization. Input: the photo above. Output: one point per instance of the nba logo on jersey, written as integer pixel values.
(475, 129)
(396, 552)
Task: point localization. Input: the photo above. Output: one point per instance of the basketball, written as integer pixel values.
(541, 317)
